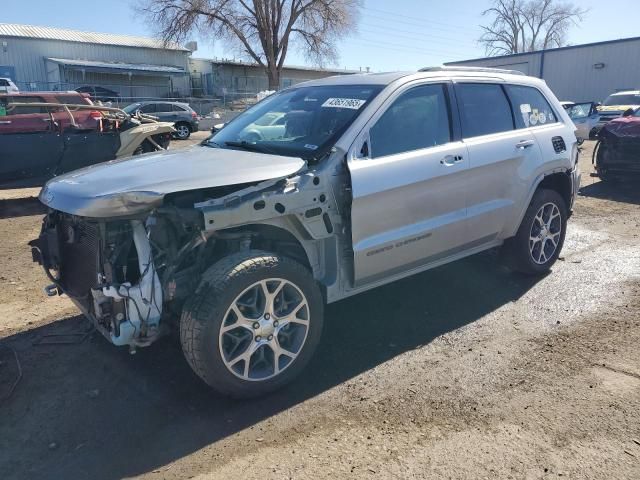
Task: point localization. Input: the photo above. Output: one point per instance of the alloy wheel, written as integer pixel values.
(545, 233)
(183, 131)
(264, 329)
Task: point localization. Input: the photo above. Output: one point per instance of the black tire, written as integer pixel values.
(517, 249)
(183, 131)
(204, 314)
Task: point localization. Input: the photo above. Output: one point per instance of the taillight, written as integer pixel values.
(95, 115)
(194, 115)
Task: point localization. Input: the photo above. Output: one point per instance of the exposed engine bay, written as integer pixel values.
(132, 274)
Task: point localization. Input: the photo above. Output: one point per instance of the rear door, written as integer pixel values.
(408, 184)
(500, 157)
(166, 113)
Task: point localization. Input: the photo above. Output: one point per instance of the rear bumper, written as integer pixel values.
(195, 126)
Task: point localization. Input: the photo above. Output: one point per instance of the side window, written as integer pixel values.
(484, 109)
(149, 108)
(417, 119)
(4, 83)
(164, 107)
(71, 99)
(26, 110)
(178, 108)
(530, 107)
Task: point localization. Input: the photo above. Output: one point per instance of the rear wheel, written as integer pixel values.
(253, 323)
(540, 238)
(183, 131)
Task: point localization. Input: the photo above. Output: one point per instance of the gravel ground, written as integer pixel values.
(466, 371)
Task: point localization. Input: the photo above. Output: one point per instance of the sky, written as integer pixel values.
(391, 35)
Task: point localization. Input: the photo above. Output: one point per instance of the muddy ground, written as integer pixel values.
(466, 371)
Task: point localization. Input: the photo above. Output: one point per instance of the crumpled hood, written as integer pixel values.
(134, 184)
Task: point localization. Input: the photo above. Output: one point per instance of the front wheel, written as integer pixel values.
(253, 323)
(540, 238)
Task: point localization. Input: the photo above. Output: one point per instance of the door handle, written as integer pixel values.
(525, 144)
(5, 122)
(450, 160)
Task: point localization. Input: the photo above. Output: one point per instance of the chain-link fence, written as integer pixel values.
(223, 106)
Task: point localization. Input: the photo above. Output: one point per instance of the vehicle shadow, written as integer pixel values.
(20, 207)
(111, 415)
(621, 191)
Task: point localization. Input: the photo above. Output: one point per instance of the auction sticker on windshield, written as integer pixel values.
(353, 103)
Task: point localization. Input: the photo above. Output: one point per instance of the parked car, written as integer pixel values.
(617, 153)
(374, 178)
(585, 116)
(181, 114)
(7, 86)
(29, 119)
(101, 94)
(32, 155)
(617, 104)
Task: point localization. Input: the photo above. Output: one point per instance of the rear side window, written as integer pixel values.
(164, 107)
(484, 109)
(178, 108)
(530, 107)
(4, 83)
(417, 119)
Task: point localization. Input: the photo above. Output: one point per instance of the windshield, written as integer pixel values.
(626, 99)
(131, 109)
(301, 122)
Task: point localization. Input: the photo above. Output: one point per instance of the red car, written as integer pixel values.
(617, 153)
(38, 119)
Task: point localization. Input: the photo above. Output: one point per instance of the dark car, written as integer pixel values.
(182, 115)
(100, 93)
(617, 153)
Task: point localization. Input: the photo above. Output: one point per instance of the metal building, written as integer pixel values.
(588, 72)
(221, 77)
(44, 58)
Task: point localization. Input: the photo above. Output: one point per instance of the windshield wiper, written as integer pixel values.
(251, 147)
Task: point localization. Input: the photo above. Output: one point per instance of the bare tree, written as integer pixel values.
(527, 25)
(262, 30)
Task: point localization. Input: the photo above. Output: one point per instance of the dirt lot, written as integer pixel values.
(466, 371)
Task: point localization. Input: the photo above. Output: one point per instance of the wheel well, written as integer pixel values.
(278, 240)
(561, 183)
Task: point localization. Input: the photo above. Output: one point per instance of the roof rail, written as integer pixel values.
(470, 69)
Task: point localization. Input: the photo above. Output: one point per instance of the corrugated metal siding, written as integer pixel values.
(50, 33)
(527, 64)
(572, 76)
(28, 56)
(571, 72)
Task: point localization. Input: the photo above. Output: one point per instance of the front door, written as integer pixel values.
(408, 182)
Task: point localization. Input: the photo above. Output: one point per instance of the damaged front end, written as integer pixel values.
(107, 270)
(131, 274)
(618, 149)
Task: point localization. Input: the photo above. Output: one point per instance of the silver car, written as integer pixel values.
(319, 192)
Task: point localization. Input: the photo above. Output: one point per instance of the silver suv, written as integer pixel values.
(317, 193)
